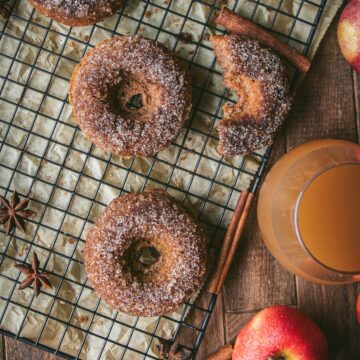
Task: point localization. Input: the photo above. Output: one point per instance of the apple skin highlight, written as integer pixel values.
(281, 332)
(349, 34)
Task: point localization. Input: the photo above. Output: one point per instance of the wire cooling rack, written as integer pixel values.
(43, 155)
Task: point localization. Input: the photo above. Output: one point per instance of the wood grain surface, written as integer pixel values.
(327, 106)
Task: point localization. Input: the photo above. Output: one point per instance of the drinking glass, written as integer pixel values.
(281, 200)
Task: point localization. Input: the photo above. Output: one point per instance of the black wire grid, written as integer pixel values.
(64, 314)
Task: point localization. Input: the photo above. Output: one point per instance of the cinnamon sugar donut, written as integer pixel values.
(77, 12)
(112, 254)
(259, 79)
(108, 77)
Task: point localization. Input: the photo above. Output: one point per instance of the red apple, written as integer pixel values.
(280, 332)
(349, 33)
(358, 308)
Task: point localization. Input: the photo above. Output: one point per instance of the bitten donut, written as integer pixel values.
(106, 80)
(77, 12)
(259, 79)
(134, 222)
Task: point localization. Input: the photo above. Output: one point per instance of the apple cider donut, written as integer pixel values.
(259, 79)
(114, 73)
(134, 223)
(77, 12)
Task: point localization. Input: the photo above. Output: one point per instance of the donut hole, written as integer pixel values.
(247, 98)
(129, 97)
(121, 103)
(135, 102)
(143, 260)
(148, 255)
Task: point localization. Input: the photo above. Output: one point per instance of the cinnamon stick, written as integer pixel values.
(239, 25)
(226, 244)
(224, 353)
(235, 242)
(231, 241)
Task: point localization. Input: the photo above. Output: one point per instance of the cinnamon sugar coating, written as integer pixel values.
(258, 77)
(131, 223)
(77, 12)
(110, 75)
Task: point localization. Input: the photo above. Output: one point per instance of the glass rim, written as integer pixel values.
(297, 230)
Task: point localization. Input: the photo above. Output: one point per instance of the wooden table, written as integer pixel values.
(327, 106)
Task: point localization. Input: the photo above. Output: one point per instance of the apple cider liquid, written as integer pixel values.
(328, 218)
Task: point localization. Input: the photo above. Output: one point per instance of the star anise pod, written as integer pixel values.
(173, 351)
(5, 9)
(14, 213)
(34, 276)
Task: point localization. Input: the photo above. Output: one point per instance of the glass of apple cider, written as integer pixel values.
(309, 211)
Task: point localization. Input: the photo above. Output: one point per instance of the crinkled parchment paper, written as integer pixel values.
(45, 156)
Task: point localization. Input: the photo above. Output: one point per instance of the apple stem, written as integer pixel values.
(275, 358)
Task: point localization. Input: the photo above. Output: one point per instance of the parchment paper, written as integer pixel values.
(46, 157)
